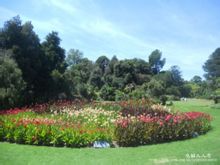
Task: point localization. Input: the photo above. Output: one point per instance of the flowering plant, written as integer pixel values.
(143, 129)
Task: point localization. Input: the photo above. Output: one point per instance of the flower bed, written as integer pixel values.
(50, 132)
(145, 129)
(76, 124)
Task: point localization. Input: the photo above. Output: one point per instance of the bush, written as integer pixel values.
(163, 99)
(143, 129)
(216, 99)
(119, 95)
(107, 93)
(138, 93)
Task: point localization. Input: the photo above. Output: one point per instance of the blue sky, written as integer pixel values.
(186, 31)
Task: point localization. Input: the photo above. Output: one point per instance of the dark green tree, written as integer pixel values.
(102, 62)
(176, 76)
(26, 49)
(155, 61)
(12, 85)
(55, 55)
(212, 65)
(96, 78)
(54, 66)
(196, 79)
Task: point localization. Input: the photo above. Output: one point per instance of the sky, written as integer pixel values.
(185, 31)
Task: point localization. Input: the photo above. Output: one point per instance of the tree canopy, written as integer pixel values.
(34, 71)
(212, 65)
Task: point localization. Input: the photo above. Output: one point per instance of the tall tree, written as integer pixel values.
(55, 55)
(212, 65)
(155, 61)
(54, 65)
(26, 48)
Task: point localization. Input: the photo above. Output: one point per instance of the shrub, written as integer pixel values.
(107, 93)
(163, 99)
(119, 95)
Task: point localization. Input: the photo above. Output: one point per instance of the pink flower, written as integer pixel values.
(168, 117)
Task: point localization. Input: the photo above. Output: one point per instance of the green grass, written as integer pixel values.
(165, 153)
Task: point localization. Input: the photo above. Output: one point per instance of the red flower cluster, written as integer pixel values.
(147, 119)
(13, 111)
(167, 119)
(146, 129)
(123, 122)
(196, 115)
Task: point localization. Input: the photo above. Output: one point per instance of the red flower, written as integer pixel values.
(168, 117)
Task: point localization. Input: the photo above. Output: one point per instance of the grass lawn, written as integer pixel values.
(166, 153)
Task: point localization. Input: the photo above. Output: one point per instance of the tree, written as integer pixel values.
(186, 90)
(102, 62)
(112, 63)
(196, 79)
(26, 49)
(55, 55)
(77, 76)
(74, 56)
(11, 83)
(53, 65)
(165, 77)
(96, 78)
(10, 34)
(176, 76)
(82, 70)
(212, 65)
(155, 61)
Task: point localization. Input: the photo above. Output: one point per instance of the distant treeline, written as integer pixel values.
(32, 72)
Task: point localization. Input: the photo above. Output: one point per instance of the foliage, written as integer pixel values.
(66, 126)
(154, 87)
(143, 129)
(49, 75)
(12, 84)
(155, 61)
(212, 66)
(74, 57)
(107, 93)
(80, 124)
(163, 99)
(140, 107)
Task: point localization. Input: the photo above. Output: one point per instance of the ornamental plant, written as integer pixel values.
(32, 128)
(147, 129)
(76, 124)
(144, 106)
